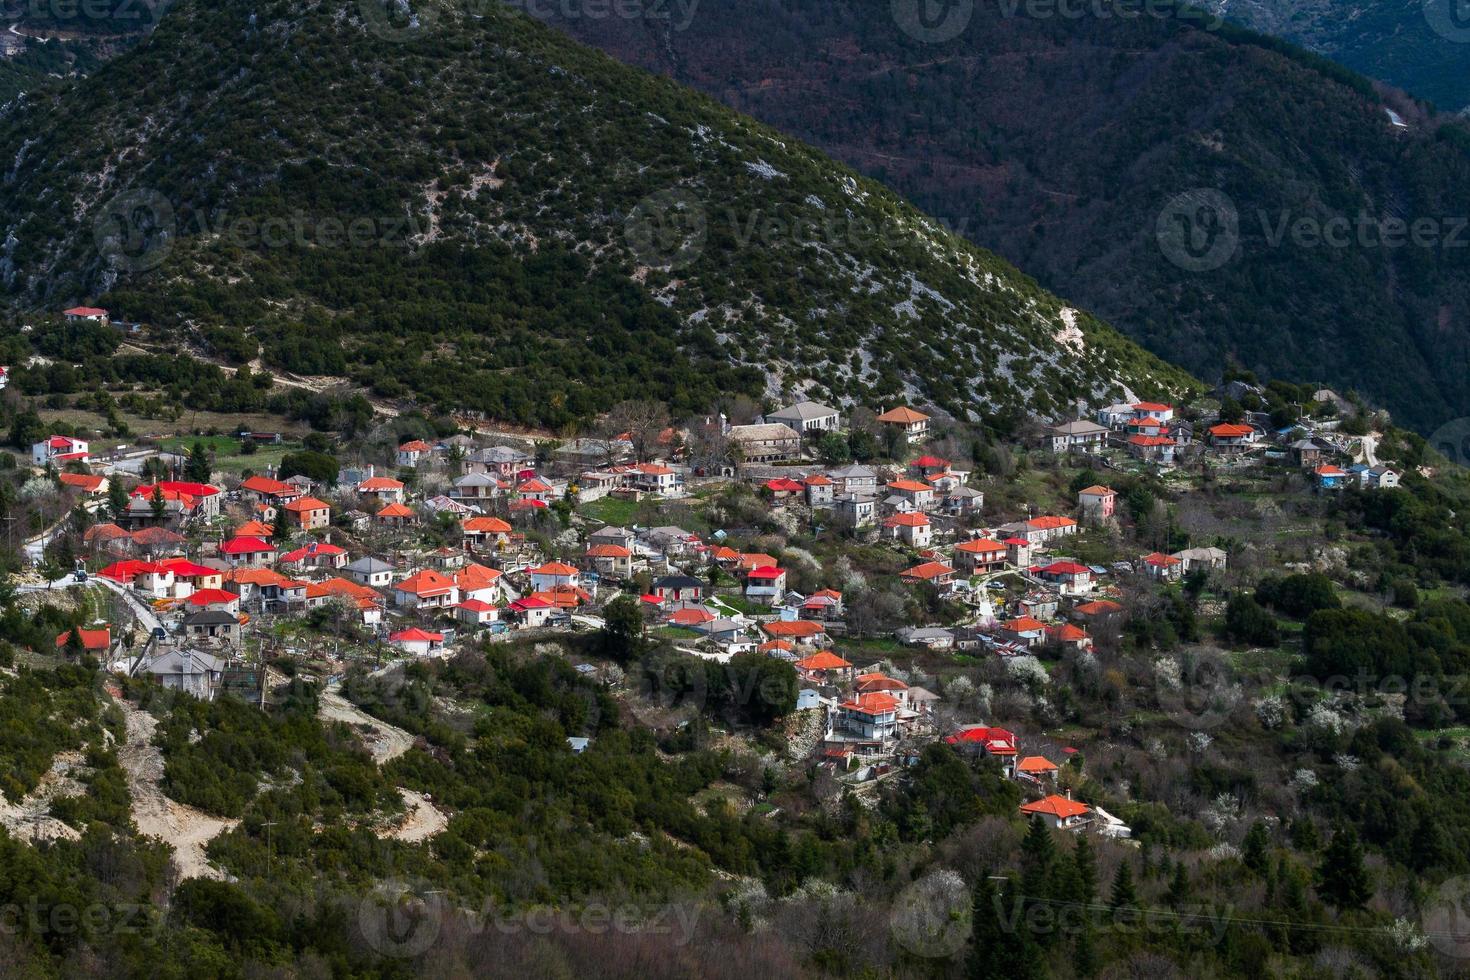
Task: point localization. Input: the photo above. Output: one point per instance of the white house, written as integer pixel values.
(59, 449)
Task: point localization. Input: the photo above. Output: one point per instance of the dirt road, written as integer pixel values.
(185, 827)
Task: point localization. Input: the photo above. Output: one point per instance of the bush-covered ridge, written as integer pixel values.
(495, 172)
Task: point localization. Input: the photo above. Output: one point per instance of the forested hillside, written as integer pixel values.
(1065, 142)
(471, 209)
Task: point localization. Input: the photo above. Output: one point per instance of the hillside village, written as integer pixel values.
(450, 540)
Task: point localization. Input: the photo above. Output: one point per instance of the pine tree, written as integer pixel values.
(1086, 864)
(1179, 886)
(1342, 881)
(1038, 859)
(75, 648)
(1255, 851)
(1304, 836)
(1124, 896)
(198, 468)
(158, 504)
(117, 498)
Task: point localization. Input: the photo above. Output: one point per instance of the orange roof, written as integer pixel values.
(1160, 560)
(1057, 806)
(534, 485)
(771, 646)
(879, 682)
(264, 484)
(907, 520)
(554, 568)
(826, 660)
(1330, 471)
(1050, 523)
(1023, 624)
(872, 704)
(563, 596)
(1227, 430)
(82, 481)
(377, 484)
(817, 480)
(693, 617)
(980, 546)
(928, 570)
(486, 525)
(1067, 633)
(1151, 440)
(1152, 407)
(652, 469)
(1096, 490)
(909, 486)
(254, 529)
(723, 553)
(608, 551)
(255, 576)
(1099, 606)
(394, 510)
(902, 415)
(342, 587)
(307, 503)
(756, 560)
(795, 627)
(426, 583)
(1036, 763)
(415, 446)
(474, 577)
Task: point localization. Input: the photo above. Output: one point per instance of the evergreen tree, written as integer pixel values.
(197, 469)
(157, 502)
(1304, 836)
(1342, 880)
(1085, 863)
(74, 647)
(1124, 896)
(117, 498)
(1255, 851)
(1179, 885)
(1038, 858)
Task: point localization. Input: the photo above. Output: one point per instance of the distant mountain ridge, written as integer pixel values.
(1071, 144)
(450, 201)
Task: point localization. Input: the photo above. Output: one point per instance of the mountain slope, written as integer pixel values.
(1416, 45)
(475, 210)
(1063, 142)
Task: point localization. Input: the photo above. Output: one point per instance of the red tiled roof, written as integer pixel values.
(1056, 806)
